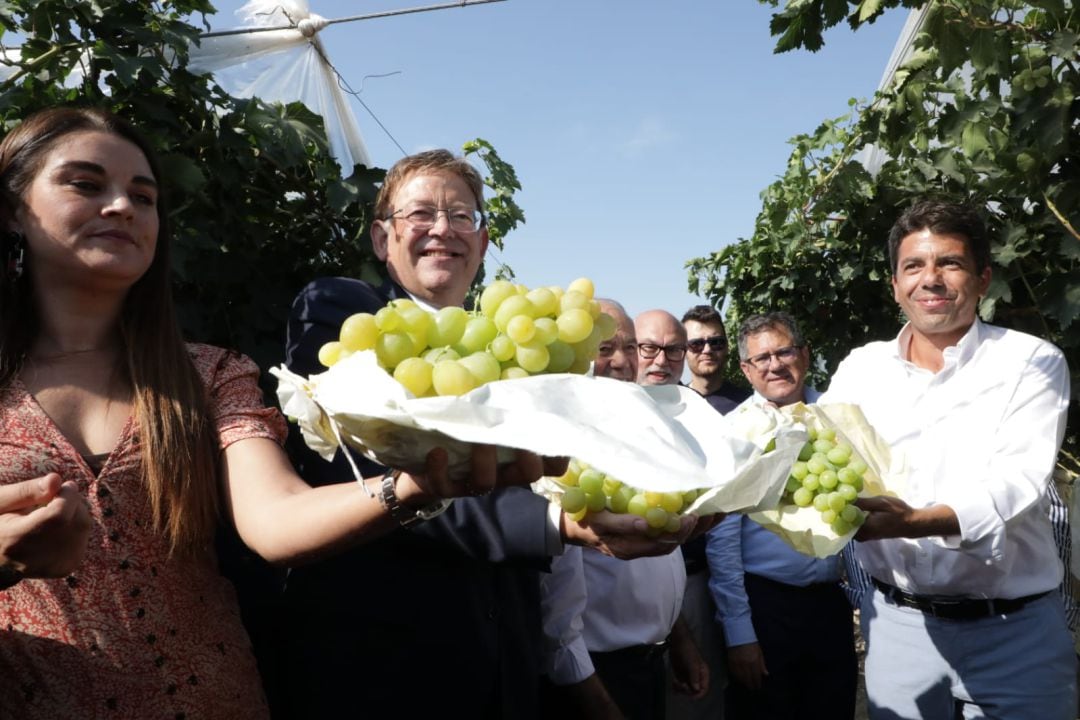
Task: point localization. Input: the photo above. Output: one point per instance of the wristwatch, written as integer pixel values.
(406, 516)
(9, 577)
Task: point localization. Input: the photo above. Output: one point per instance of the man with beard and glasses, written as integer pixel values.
(707, 353)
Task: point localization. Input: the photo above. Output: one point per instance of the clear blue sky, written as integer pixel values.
(642, 131)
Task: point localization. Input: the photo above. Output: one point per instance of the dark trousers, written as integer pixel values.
(635, 678)
(808, 640)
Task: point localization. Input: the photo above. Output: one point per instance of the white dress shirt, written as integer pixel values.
(980, 436)
(595, 603)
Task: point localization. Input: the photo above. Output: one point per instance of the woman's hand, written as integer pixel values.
(484, 476)
(44, 526)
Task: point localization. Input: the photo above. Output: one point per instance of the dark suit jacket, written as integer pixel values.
(442, 620)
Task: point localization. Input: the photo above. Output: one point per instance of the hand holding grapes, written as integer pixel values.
(891, 517)
(485, 475)
(623, 535)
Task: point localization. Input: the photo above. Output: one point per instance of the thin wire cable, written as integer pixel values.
(354, 18)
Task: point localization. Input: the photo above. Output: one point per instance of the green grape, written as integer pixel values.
(847, 492)
(450, 377)
(502, 348)
(574, 325)
(479, 332)
(573, 499)
(837, 501)
(436, 354)
(415, 374)
(839, 455)
(811, 482)
(577, 515)
(447, 326)
(618, 501)
(359, 332)
(637, 505)
(850, 514)
(656, 517)
(532, 358)
(510, 308)
(827, 434)
(573, 300)
(690, 496)
(570, 477)
(806, 452)
(858, 466)
(828, 515)
(793, 484)
(560, 357)
(811, 435)
(595, 501)
(544, 301)
(654, 498)
(329, 353)
(607, 326)
(823, 446)
(802, 497)
(840, 526)
(611, 485)
(419, 341)
(493, 296)
(513, 373)
(858, 484)
(521, 329)
(415, 320)
(828, 479)
(799, 470)
(580, 366)
(672, 502)
(821, 502)
(582, 285)
(591, 481)
(817, 464)
(483, 366)
(674, 524)
(547, 331)
(846, 476)
(393, 347)
(388, 319)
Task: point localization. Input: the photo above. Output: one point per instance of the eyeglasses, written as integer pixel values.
(716, 343)
(785, 355)
(674, 353)
(423, 217)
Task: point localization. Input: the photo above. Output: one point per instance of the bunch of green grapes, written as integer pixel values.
(829, 476)
(516, 332)
(586, 489)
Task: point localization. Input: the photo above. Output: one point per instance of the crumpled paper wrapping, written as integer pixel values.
(803, 528)
(663, 438)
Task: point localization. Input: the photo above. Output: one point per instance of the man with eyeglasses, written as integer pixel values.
(608, 621)
(707, 354)
(964, 618)
(786, 619)
(661, 348)
(440, 617)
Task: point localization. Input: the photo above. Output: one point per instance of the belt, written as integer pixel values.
(955, 608)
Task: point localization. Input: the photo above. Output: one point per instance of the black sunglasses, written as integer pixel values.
(715, 343)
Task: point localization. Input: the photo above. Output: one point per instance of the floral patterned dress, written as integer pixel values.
(131, 633)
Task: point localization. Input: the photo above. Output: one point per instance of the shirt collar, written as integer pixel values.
(954, 355)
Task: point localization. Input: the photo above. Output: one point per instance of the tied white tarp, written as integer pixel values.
(284, 66)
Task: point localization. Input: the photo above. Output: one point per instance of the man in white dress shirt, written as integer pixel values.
(964, 620)
(607, 622)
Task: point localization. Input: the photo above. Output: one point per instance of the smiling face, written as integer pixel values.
(938, 287)
(780, 379)
(436, 265)
(617, 358)
(90, 213)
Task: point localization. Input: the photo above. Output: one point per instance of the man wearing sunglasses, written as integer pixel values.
(706, 356)
(786, 620)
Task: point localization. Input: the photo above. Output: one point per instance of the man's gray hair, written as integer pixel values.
(778, 320)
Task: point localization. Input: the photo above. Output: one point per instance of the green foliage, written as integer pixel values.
(985, 111)
(258, 207)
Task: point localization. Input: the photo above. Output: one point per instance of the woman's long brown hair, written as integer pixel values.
(179, 449)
